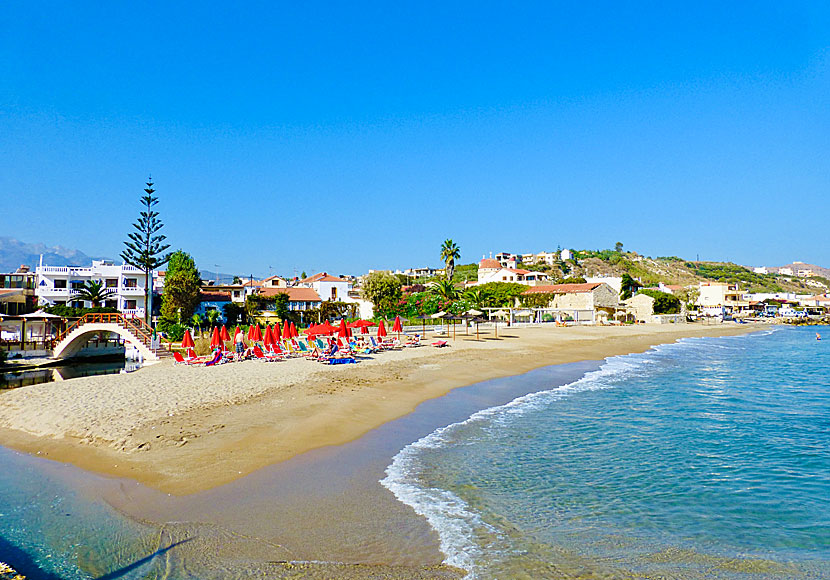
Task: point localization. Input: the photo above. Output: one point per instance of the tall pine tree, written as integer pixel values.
(145, 248)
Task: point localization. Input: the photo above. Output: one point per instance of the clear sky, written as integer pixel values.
(355, 135)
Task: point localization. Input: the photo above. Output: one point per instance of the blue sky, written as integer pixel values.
(349, 136)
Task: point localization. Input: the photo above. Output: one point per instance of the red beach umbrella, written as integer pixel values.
(256, 334)
(397, 327)
(223, 334)
(187, 340)
(215, 338)
(286, 330)
(294, 333)
(343, 331)
(237, 331)
(269, 337)
(276, 335)
(381, 329)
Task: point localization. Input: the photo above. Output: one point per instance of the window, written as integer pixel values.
(60, 283)
(333, 293)
(112, 282)
(129, 304)
(131, 283)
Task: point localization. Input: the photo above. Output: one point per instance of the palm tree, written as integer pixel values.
(475, 296)
(444, 289)
(213, 317)
(196, 321)
(92, 291)
(450, 252)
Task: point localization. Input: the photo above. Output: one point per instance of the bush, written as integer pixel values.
(663, 303)
(174, 332)
(70, 312)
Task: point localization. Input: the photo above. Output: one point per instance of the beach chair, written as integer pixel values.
(218, 358)
(413, 341)
(178, 358)
(259, 355)
(440, 343)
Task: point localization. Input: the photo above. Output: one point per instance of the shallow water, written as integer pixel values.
(23, 378)
(702, 459)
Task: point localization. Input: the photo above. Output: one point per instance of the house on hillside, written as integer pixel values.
(719, 298)
(299, 299)
(490, 270)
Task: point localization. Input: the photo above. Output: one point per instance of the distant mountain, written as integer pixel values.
(14, 253)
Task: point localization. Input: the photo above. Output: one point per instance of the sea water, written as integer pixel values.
(707, 458)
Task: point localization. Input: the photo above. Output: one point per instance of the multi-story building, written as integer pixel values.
(58, 284)
(490, 270)
(17, 292)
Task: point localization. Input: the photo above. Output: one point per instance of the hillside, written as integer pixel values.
(674, 270)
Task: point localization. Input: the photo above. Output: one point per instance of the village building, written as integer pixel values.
(17, 292)
(299, 299)
(490, 270)
(56, 285)
(719, 299)
(589, 296)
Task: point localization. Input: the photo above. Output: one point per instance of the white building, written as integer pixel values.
(565, 254)
(490, 270)
(507, 260)
(56, 285)
(614, 281)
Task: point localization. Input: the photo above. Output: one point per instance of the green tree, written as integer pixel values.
(236, 280)
(212, 317)
(450, 252)
(444, 289)
(92, 291)
(618, 247)
(663, 303)
(628, 287)
(382, 288)
(281, 305)
(182, 287)
(145, 247)
(475, 296)
(500, 294)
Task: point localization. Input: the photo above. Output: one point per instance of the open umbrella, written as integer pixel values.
(215, 338)
(381, 329)
(256, 335)
(187, 340)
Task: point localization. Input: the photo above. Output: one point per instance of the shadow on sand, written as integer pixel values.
(138, 563)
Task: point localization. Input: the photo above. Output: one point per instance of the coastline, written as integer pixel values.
(183, 430)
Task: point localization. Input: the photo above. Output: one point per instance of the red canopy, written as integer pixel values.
(237, 331)
(294, 333)
(256, 334)
(215, 338)
(381, 329)
(396, 326)
(276, 334)
(324, 328)
(269, 337)
(187, 340)
(286, 330)
(223, 334)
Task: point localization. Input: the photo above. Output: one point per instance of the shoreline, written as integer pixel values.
(183, 430)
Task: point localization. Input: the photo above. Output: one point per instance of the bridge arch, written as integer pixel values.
(76, 336)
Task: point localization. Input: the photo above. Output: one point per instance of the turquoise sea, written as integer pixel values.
(708, 458)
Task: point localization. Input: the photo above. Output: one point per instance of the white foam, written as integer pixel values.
(452, 518)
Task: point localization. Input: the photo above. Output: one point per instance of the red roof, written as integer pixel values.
(563, 288)
(322, 277)
(489, 263)
(294, 294)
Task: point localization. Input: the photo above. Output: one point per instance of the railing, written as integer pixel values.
(135, 325)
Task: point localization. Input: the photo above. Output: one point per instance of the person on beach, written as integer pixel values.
(240, 346)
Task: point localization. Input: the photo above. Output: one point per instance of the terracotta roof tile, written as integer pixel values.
(563, 288)
(489, 263)
(294, 294)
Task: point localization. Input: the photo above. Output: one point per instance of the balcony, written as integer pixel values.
(131, 291)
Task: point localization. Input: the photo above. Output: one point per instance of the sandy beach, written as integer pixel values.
(187, 429)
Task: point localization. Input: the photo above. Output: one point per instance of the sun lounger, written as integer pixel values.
(341, 360)
(440, 343)
(259, 355)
